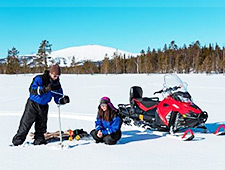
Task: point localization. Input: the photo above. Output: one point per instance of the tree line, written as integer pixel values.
(171, 59)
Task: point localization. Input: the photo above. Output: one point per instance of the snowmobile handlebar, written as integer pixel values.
(160, 91)
(123, 105)
(168, 89)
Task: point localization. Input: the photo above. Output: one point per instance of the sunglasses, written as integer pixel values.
(103, 105)
(54, 75)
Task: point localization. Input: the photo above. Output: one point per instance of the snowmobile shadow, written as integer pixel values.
(198, 139)
(135, 135)
(211, 127)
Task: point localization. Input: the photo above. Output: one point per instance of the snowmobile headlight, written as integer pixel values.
(186, 115)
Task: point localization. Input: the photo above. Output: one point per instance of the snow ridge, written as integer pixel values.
(87, 52)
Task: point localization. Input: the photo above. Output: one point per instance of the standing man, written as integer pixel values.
(36, 111)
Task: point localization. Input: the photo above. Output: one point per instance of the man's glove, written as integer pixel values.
(64, 100)
(51, 87)
(48, 88)
(45, 89)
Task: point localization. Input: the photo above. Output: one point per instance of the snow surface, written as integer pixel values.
(137, 150)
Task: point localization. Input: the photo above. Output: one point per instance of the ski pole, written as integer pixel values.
(60, 129)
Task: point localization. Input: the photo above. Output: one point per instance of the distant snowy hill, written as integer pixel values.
(81, 53)
(88, 52)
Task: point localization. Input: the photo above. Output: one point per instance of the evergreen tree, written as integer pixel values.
(12, 66)
(171, 54)
(223, 61)
(142, 52)
(89, 67)
(207, 63)
(131, 65)
(73, 62)
(105, 66)
(197, 58)
(25, 68)
(43, 54)
(124, 64)
(148, 62)
(117, 64)
(74, 66)
(142, 68)
(2, 68)
(212, 60)
(218, 58)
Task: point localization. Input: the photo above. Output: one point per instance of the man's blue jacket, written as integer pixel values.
(39, 83)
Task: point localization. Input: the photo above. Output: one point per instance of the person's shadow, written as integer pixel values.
(136, 135)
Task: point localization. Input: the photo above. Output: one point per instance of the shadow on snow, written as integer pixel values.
(136, 135)
(211, 127)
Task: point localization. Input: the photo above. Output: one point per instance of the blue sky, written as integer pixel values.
(130, 25)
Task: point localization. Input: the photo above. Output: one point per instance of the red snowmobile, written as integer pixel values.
(175, 112)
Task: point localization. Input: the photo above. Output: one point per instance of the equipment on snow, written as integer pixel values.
(60, 129)
(62, 100)
(76, 134)
(71, 135)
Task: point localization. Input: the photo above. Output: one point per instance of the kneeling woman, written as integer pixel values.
(108, 123)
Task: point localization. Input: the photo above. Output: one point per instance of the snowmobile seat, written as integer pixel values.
(135, 92)
(144, 103)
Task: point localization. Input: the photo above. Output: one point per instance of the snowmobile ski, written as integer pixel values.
(188, 135)
(218, 131)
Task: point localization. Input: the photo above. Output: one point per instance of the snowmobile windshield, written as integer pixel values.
(182, 96)
(172, 83)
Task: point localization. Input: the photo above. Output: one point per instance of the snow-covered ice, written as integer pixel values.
(137, 150)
